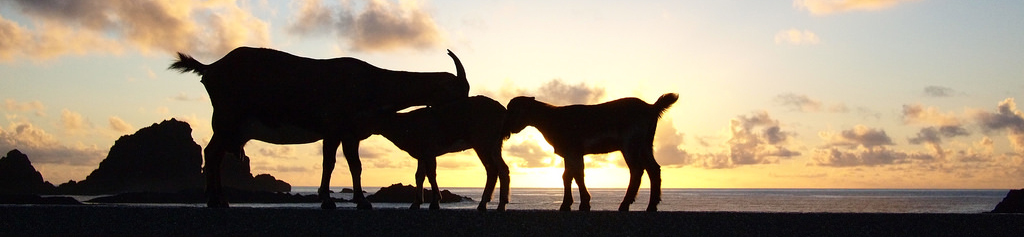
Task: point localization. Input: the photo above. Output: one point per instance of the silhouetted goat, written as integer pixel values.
(625, 125)
(475, 122)
(276, 97)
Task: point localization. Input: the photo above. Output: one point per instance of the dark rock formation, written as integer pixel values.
(163, 158)
(1012, 203)
(159, 158)
(199, 196)
(18, 176)
(407, 194)
(36, 199)
(349, 190)
(237, 174)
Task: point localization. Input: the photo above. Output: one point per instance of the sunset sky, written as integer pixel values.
(773, 94)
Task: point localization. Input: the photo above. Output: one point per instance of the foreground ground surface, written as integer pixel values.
(25, 220)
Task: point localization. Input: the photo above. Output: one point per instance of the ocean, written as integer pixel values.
(724, 200)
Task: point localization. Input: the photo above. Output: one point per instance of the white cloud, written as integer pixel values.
(73, 123)
(119, 125)
(381, 25)
(796, 37)
(210, 28)
(1008, 118)
(43, 148)
(35, 107)
(825, 7)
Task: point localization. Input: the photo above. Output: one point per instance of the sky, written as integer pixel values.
(773, 94)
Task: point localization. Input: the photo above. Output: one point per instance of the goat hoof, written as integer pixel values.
(328, 205)
(566, 207)
(501, 207)
(652, 208)
(414, 206)
(623, 208)
(584, 207)
(482, 207)
(435, 206)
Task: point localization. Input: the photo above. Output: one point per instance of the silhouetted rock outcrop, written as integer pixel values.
(163, 158)
(1012, 203)
(407, 194)
(159, 158)
(199, 196)
(17, 176)
(238, 175)
(36, 199)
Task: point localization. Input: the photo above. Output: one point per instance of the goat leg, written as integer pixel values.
(654, 174)
(420, 176)
(351, 150)
(435, 190)
(567, 194)
(330, 151)
(215, 152)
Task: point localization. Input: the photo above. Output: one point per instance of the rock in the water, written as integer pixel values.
(159, 158)
(36, 199)
(199, 196)
(1012, 203)
(18, 176)
(163, 158)
(398, 193)
(349, 190)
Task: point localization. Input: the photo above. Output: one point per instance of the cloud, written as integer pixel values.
(532, 155)
(803, 103)
(825, 7)
(35, 106)
(43, 148)
(934, 135)
(380, 25)
(185, 98)
(747, 146)
(282, 152)
(119, 125)
(208, 28)
(72, 122)
(866, 147)
(1007, 117)
(939, 91)
(796, 37)
(864, 156)
(666, 145)
(918, 114)
(860, 135)
(555, 92)
(559, 93)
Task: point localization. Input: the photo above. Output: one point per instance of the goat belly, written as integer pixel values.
(601, 144)
(282, 134)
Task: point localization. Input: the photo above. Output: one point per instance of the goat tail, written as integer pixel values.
(186, 63)
(665, 101)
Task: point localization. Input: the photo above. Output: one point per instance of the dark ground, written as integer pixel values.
(93, 220)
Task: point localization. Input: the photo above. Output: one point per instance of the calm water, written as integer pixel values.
(730, 200)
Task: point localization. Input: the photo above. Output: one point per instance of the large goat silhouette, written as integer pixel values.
(280, 98)
(625, 125)
(475, 122)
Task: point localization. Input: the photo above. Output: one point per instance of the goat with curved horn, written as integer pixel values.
(280, 98)
(625, 125)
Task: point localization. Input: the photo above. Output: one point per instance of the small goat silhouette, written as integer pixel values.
(625, 125)
(280, 98)
(475, 122)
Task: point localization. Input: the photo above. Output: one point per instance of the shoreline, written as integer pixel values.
(29, 220)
